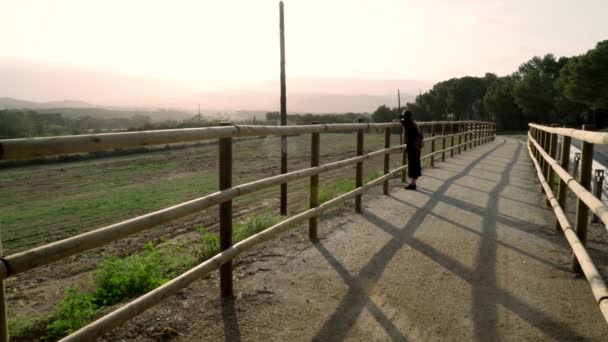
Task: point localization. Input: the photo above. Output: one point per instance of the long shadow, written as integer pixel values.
(473, 231)
(485, 311)
(498, 296)
(503, 196)
(358, 295)
(232, 331)
(522, 226)
(351, 305)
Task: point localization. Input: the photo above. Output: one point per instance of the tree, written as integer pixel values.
(535, 89)
(500, 103)
(465, 97)
(585, 78)
(385, 114)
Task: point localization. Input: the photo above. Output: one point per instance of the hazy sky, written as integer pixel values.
(209, 44)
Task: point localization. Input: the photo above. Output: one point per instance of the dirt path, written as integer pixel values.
(472, 255)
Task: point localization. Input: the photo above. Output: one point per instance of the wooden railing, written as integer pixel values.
(468, 134)
(542, 146)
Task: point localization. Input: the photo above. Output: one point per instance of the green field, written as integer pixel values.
(44, 203)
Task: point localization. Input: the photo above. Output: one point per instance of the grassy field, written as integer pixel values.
(40, 204)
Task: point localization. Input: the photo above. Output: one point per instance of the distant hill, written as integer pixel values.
(73, 109)
(11, 103)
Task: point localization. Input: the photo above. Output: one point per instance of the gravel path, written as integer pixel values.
(472, 255)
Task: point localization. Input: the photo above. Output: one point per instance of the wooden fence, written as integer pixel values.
(463, 135)
(542, 146)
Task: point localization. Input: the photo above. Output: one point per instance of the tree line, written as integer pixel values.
(566, 90)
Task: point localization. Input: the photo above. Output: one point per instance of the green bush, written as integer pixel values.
(371, 176)
(325, 195)
(210, 245)
(74, 311)
(118, 280)
(254, 224)
(344, 186)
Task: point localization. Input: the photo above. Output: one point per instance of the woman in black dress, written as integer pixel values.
(414, 141)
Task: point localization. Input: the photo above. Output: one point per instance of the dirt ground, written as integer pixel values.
(472, 255)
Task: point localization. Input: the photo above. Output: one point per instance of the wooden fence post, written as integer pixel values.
(315, 148)
(543, 145)
(465, 131)
(460, 129)
(452, 140)
(433, 145)
(387, 144)
(225, 165)
(486, 134)
(470, 138)
(474, 135)
(403, 156)
(359, 169)
(582, 211)
(443, 142)
(3, 310)
(553, 153)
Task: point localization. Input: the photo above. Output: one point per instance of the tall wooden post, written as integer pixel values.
(433, 145)
(470, 135)
(465, 134)
(3, 312)
(543, 145)
(443, 142)
(359, 169)
(225, 165)
(315, 144)
(582, 211)
(460, 128)
(553, 154)
(452, 140)
(283, 111)
(387, 144)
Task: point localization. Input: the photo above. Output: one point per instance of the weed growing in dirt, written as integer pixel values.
(325, 195)
(117, 280)
(255, 224)
(75, 310)
(371, 176)
(344, 186)
(210, 244)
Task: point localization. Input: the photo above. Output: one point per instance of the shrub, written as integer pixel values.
(325, 195)
(371, 176)
(345, 186)
(210, 245)
(75, 310)
(254, 224)
(118, 280)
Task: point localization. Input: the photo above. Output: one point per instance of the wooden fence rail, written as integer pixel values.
(541, 140)
(27, 148)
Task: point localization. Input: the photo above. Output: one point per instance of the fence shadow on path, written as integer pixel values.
(356, 299)
(482, 278)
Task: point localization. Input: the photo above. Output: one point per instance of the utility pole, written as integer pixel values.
(283, 111)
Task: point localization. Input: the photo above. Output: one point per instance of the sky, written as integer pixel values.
(204, 45)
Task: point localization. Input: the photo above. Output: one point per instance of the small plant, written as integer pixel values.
(75, 310)
(118, 279)
(210, 244)
(345, 186)
(325, 195)
(371, 176)
(254, 224)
